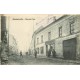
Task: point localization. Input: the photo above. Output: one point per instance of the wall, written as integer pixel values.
(13, 45)
(54, 34)
(54, 28)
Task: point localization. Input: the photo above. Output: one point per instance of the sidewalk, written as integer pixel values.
(67, 61)
(61, 60)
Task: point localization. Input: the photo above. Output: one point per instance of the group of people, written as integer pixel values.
(50, 51)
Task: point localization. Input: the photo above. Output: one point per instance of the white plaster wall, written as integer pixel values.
(54, 28)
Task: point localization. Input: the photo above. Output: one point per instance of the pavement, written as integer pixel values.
(31, 60)
(61, 60)
(66, 61)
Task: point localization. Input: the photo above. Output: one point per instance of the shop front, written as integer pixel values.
(49, 44)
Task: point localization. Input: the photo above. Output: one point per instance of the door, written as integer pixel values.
(69, 49)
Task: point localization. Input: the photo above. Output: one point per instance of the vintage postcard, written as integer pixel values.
(39, 39)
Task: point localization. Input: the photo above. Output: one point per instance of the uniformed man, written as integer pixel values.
(35, 53)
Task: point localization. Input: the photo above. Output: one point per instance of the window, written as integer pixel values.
(42, 50)
(49, 35)
(71, 27)
(37, 40)
(60, 31)
(42, 39)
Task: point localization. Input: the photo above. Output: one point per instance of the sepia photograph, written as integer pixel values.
(39, 39)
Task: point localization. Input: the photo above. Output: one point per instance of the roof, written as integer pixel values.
(37, 31)
(40, 28)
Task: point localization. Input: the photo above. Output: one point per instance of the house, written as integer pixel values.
(13, 47)
(63, 35)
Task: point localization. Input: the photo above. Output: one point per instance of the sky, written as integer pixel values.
(21, 27)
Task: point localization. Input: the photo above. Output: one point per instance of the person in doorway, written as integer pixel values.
(53, 53)
(26, 53)
(49, 52)
(35, 53)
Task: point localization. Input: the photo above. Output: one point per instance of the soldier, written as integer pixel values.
(53, 53)
(35, 53)
(49, 52)
(21, 54)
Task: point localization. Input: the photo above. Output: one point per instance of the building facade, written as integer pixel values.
(63, 35)
(33, 41)
(13, 48)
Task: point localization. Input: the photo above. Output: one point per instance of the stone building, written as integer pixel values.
(63, 35)
(13, 48)
(32, 45)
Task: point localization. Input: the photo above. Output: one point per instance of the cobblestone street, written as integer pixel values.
(30, 60)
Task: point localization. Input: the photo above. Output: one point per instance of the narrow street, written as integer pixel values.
(30, 60)
(41, 34)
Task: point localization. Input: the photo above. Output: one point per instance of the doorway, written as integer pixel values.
(69, 49)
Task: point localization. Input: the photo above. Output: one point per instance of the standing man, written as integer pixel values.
(35, 53)
(49, 52)
(21, 54)
(53, 53)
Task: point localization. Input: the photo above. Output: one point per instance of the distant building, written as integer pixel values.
(32, 45)
(4, 34)
(63, 35)
(13, 48)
